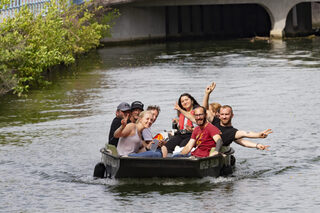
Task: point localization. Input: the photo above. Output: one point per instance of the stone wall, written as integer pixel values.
(315, 15)
(138, 23)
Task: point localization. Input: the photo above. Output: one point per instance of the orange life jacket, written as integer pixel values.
(181, 121)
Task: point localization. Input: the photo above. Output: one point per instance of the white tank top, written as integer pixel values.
(130, 144)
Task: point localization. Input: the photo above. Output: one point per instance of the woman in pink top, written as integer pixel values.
(130, 140)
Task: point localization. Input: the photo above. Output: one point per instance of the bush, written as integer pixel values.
(32, 44)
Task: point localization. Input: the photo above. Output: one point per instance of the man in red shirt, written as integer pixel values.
(204, 137)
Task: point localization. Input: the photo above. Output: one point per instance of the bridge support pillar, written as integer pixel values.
(277, 34)
(289, 18)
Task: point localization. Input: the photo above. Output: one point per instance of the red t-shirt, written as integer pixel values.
(204, 140)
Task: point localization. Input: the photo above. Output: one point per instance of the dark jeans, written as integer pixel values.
(178, 140)
(181, 155)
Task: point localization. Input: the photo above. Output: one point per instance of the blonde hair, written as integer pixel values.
(215, 107)
(143, 113)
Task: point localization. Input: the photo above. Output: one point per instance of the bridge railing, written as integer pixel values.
(34, 5)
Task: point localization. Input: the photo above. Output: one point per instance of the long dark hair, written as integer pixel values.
(195, 103)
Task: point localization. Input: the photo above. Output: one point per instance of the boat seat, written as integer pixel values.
(112, 149)
(230, 151)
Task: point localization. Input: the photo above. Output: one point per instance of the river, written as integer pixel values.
(50, 140)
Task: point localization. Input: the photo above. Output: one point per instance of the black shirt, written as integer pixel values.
(228, 133)
(116, 123)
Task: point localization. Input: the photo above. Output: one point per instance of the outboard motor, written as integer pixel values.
(99, 170)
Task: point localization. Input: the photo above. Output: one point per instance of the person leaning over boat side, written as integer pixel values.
(130, 139)
(224, 124)
(147, 138)
(136, 109)
(181, 138)
(205, 136)
(123, 110)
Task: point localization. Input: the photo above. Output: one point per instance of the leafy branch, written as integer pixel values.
(31, 44)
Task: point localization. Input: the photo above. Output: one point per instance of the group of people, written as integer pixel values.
(130, 130)
(202, 131)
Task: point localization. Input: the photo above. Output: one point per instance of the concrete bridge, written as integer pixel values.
(158, 19)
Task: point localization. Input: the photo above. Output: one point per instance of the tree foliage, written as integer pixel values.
(4, 3)
(32, 44)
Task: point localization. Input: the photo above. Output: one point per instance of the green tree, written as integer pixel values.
(4, 3)
(30, 45)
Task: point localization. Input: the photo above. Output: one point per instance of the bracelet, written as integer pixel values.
(257, 146)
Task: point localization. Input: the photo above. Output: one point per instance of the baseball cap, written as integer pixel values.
(124, 106)
(137, 105)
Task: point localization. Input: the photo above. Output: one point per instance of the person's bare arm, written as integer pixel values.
(185, 113)
(245, 134)
(124, 130)
(146, 144)
(208, 90)
(164, 151)
(188, 147)
(250, 144)
(217, 138)
(205, 102)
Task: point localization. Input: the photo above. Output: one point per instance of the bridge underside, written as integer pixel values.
(217, 21)
(214, 21)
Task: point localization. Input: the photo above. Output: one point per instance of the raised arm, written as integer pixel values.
(245, 134)
(251, 144)
(124, 130)
(185, 113)
(208, 90)
(205, 101)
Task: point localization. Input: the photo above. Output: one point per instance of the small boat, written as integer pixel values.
(114, 166)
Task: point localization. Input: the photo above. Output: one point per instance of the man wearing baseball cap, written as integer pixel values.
(122, 110)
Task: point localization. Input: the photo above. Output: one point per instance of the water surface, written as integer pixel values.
(50, 141)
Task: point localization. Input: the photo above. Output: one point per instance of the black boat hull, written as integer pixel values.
(136, 167)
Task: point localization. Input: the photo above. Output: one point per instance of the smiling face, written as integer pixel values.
(147, 119)
(186, 103)
(135, 114)
(200, 116)
(225, 116)
(155, 114)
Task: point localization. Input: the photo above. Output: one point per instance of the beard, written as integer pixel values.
(201, 122)
(226, 122)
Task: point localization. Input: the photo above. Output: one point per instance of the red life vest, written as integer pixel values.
(181, 121)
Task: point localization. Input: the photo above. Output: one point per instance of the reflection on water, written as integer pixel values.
(67, 97)
(178, 187)
(50, 141)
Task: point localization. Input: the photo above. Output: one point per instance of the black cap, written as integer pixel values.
(137, 105)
